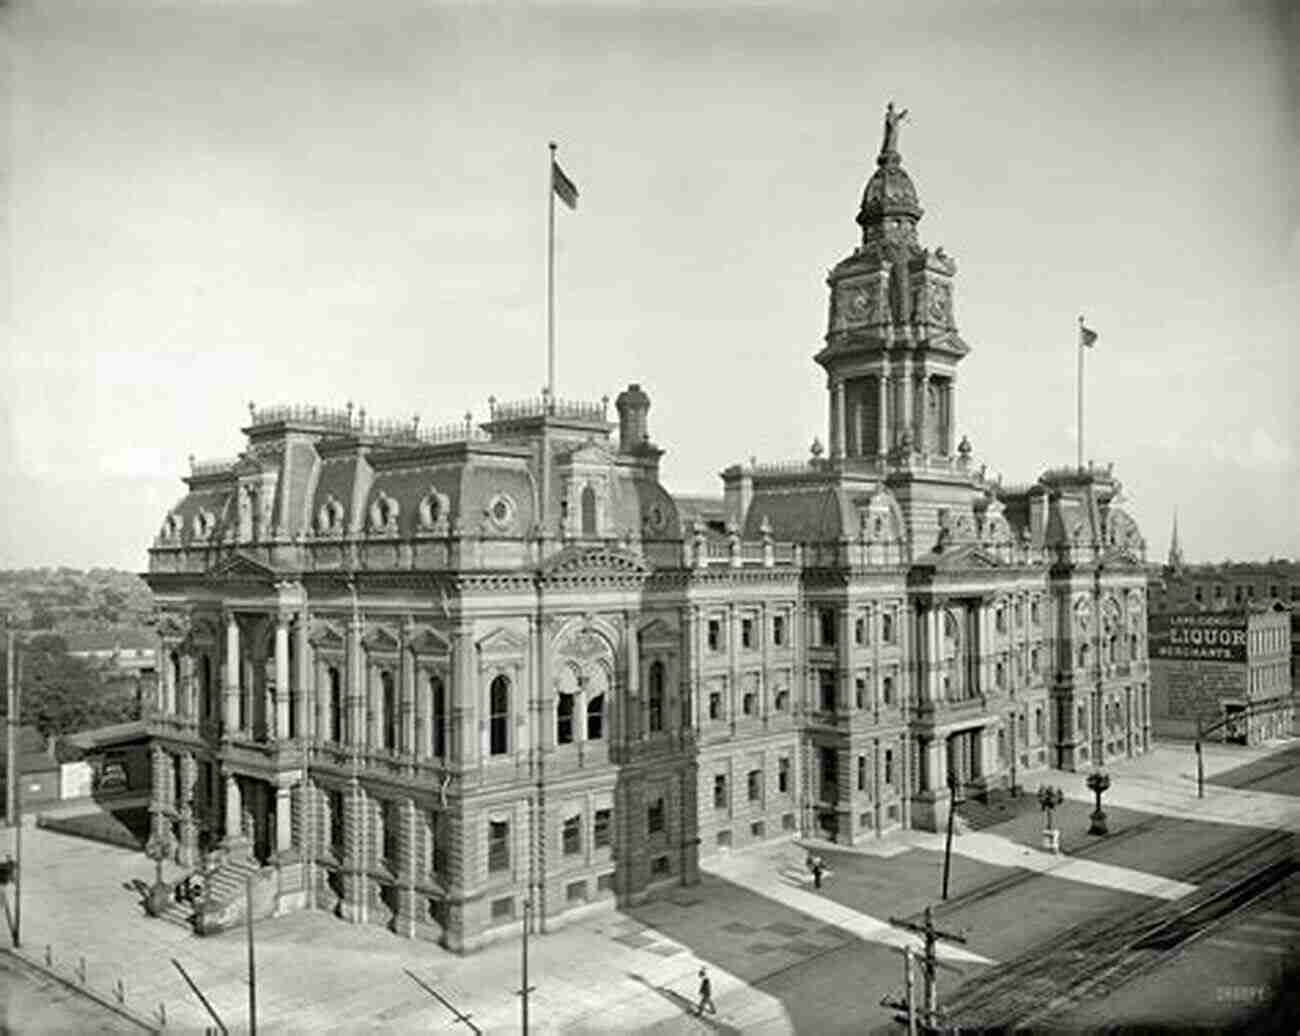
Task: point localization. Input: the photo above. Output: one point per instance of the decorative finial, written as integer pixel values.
(817, 448)
(964, 447)
(251, 410)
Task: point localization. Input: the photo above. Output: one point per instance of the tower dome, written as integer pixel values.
(890, 209)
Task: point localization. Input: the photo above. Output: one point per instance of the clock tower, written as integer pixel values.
(892, 346)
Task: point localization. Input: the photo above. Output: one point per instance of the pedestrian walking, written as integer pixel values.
(817, 869)
(706, 994)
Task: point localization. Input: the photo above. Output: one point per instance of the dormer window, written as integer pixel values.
(330, 516)
(383, 514)
(588, 504)
(172, 527)
(204, 523)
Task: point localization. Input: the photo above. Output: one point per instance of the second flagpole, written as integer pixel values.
(1079, 346)
(550, 274)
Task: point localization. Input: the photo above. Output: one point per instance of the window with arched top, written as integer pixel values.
(205, 686)
(335, 680)
(656, 696)
(499, 716)
(389, 718)
(438, 714)
(564, 718)
(596, 718)
(588, 503)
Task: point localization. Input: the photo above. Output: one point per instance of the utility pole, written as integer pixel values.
(11, 728)
(929, 963)
(952, 812)
(1200, 764)
(525, 988)
(16, 782)
(908, 1004)
(252, 964)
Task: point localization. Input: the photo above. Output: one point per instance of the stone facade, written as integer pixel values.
(434, 674)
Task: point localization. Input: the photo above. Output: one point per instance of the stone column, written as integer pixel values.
(189, 690)
(303, 683)
(234, 825)
(354, 680)
(923, 405)
(463, 696)
(281, 677)
(356, 856)
(837, 443)
(634, 697)
(406, 693)
(882, 417)
(284, 821)
(907, 389)
(188, 850)
(234, 674)
(422, 694)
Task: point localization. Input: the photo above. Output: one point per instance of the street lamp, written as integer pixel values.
(1049, 798)
(1098, 781)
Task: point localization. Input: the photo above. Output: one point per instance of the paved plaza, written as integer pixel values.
(783, 956)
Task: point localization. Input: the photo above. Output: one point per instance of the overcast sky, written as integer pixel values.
(217, 202)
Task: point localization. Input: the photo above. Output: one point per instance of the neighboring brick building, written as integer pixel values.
(1209, 666)
(1215, 587)
(455, 669)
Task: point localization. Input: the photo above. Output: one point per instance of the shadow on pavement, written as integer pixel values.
(685, 1005)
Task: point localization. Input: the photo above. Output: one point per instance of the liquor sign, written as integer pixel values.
(1202, 636)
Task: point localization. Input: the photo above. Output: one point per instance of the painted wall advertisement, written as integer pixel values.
(1205, 637)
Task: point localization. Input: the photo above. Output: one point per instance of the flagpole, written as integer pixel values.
(550, 276)
(1079, 346)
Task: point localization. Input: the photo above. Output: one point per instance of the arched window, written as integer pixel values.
(596, 718)
(588, 511)
(335, 704)
(564, 718)
(205, 686)
(499, 716)
(174, 659)
(389, 704)
(656, 696)
(438, 710)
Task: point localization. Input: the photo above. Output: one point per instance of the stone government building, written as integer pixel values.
(419, 676)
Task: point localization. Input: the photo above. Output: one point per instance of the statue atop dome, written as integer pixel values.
(892, 119)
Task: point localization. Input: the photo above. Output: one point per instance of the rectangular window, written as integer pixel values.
(503, 909)
(715, 635)
(720, 791)
(747, 633)
(860, 631)
(889, 766)
(576, 892)
(654, 817)
(826, 689)
(887, 628)
(758, 829)
(1038, 723)
(778, 630)
(564, 704)
(887, 690)
(1000, 620)
(498, 846)
(715, 705)
(572, 835)
(602, 828)
(336, 805)
(860, 692)
(1034, 611)
(750, 703)
(391, 819)
(862, 773)
(660, 866)
(755, 781)
(826, 626)
(783, 775)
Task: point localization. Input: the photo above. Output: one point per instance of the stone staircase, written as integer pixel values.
(224, 901)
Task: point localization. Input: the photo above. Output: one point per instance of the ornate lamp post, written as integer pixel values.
(159, 847)
(1049, 798)
(1098, 781)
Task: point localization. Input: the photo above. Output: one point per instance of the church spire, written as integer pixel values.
(1175, 561)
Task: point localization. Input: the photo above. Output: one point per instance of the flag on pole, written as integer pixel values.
(563, 186)
(1086, 336)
